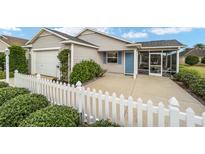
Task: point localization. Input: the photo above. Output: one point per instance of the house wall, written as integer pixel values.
(3, 46)
(85, 53)
(104, 42)
(182, 60)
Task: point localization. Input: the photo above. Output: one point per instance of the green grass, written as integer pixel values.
(199, 68)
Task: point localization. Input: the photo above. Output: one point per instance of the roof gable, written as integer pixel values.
(200, 52)
(11, 40)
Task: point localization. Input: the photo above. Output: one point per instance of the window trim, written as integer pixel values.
(112, 57)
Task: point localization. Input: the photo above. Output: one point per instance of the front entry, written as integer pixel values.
(155, 64)
(129, 63)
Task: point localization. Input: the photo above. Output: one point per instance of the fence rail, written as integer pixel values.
(96, 105)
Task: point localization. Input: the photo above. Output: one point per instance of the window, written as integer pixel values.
(112, 57)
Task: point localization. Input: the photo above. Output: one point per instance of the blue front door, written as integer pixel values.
(129, 63)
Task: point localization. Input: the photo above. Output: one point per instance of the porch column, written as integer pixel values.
(135, 63)
(72, 56)
(177, 61)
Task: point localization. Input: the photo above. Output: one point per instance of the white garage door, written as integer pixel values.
(47, 63)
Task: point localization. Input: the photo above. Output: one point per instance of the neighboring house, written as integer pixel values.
(199, 52)
(112, 53)
(7, 41)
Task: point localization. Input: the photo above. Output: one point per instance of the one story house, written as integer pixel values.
(199, 52)
(114, 54)
(7, 41)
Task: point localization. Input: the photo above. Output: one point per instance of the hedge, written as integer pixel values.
(53, 116)
(3, 74)
(3, 84)
(203, 60)
(18, 59)
(192, 79)
(11, 92)
(17, 109)
(104, 123)
(192, 60)
(85, 71)
(2, 61)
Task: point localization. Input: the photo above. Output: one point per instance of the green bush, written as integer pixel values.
(11, 92)
(203, 60)
(104, 123)
(18, 59)
(53, 116)
(198, 87)
(192, 60)
(17, 109)
(85, 71)
(2, 61)
(3, 75)
(63, 57)
(3, 84)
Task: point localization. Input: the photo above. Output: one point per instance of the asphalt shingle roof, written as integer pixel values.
(13, 40)
(161, 43)
(200, 52)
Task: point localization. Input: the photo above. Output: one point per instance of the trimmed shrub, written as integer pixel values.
(192, 60)
(203, 60)
(63, 58)
(104, 123)
(18, 59)
(2, 61)
(11, 92)
(85, 71)
(53, 116)
(198, 87)
(3, 84)
(3, 75)
(20, 107)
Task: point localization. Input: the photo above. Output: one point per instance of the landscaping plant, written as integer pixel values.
(104, 123)
(11, 92)
(2, 61)
(18, 59)
(3, 84)
(192, 60)
(3, 75)
(85, 71)
(14, 111)
(63, 57)
(53, 116)
(203, 60)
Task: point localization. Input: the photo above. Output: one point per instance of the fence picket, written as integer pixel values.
(113, 107)
(68, 95)
(100, 108)
(190, 118)
(88, 105)
(161, 115)
(203, 119)
(107, 106)
(72, 96)
(130, 111)
(94, 105)
(139, 112)
(122, 110)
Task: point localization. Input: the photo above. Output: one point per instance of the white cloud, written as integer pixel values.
(7, 33)
(11, 28)
(169, 30)
(132, 35)
(75, 30)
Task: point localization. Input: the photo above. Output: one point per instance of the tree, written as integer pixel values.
(17, 59)
(200, 45)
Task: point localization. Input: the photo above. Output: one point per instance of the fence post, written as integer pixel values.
(38, 83)
(15, 78)
(174, 112)
(79, 100)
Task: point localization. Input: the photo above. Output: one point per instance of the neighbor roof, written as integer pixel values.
(200, 52)
(161, 43)
(10, 40)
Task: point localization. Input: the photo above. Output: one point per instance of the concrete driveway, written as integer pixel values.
(157, 89)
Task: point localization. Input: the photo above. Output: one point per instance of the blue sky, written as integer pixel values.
(188, 36)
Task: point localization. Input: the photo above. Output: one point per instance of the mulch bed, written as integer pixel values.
(181, 84)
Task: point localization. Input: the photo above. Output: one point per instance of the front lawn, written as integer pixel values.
(199, 68)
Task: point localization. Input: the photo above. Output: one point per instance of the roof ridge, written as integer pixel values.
(14, 37)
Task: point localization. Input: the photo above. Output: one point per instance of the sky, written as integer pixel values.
(186, 35)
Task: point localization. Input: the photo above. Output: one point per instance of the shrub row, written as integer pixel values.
(85, 71)
(192, 79)
(104, 123)
(193, 60)
(3, 84)
(3, 74)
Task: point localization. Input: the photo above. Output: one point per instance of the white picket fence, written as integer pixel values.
(98, 105)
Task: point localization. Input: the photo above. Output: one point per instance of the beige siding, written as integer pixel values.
(47, 40)
(85, 53)
(182, 60)
(113, 68)
(3, 46)
(105, 43)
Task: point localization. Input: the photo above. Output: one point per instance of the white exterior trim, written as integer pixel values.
(164, 47)
(72, 56)
(108, 35)
(79, 43)
(159, 53)
(46, 49)
(177, 61)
